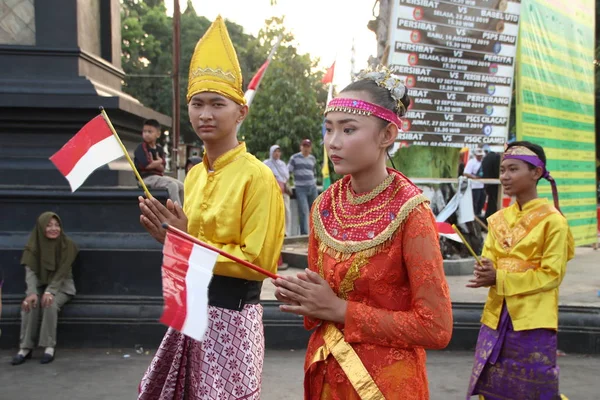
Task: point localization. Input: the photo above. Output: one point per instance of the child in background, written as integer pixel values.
(149, 160)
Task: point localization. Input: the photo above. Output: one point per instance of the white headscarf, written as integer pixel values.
(279, 168)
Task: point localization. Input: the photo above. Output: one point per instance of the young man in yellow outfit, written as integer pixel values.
(232, 202)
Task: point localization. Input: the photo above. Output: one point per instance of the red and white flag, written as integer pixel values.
(446, 230)
(253, 85)
(186, 273)
(92, 147)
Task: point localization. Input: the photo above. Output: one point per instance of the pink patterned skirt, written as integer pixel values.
(226, 365)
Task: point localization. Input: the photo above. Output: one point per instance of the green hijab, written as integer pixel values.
(49, 259)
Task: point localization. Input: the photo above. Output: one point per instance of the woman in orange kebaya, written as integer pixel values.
(375, 291)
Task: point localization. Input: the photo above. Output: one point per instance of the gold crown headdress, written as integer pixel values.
(215, 66)
(385, 77)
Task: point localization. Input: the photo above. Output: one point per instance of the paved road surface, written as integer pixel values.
(102, 375)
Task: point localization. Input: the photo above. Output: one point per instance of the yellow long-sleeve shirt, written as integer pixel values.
(530, 248)
(237, 207)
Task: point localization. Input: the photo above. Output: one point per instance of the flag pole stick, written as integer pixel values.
(135, 171)
(269, 58)
(245, 263)
(467, 244)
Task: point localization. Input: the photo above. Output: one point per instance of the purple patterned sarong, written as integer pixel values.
(226, 365)
(512, 365)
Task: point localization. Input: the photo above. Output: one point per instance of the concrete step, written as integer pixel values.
(99, 209)
(98, 272)
(124, 321)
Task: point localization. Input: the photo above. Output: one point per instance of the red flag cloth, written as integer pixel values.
(92, 147)
(328, 78)
(256, 79)
(186, 273)
(446, 230)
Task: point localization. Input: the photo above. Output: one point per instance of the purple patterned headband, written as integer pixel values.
(533, 160)
(360, 107)
(524, 154)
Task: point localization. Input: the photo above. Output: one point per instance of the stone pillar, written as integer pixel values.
(60, 60)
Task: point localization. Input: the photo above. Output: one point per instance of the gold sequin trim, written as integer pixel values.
(508, 237)
(364, 198)
(346, 225)
(344, 249)
(320, 264)
(217, 73)
(347, 284)
(348, 110)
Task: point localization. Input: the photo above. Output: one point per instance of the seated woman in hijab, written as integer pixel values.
(48, 259)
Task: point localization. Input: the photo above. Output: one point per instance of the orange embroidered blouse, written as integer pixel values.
(380, 252)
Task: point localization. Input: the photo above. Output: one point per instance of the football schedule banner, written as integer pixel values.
(555, 102)
(457, 59)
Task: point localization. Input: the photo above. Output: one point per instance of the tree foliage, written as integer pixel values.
(287, 107)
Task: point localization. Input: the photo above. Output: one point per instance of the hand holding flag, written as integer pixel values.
(187, 271)
(155, 216)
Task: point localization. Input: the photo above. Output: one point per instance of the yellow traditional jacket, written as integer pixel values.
(237, 207)
(530, 248)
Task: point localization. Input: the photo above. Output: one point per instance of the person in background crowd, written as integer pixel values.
(490, 169)
(472, 172)
(282, 175)
(303, 166)
(48, 261)
(149, 159)
(191, 162)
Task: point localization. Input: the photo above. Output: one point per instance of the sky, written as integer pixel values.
(323, 28)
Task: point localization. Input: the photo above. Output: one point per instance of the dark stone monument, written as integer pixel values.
(60, 60)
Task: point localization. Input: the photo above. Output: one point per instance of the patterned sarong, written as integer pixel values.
(226, 365)
(513, 365)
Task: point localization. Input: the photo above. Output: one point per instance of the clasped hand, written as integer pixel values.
(154, 215)
(309, 295)
(484, 275)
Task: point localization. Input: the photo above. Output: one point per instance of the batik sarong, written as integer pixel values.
(513, 365)
(226, 365)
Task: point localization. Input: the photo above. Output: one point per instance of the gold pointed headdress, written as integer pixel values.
(215, 66)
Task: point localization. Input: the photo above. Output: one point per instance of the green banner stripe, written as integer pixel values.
(561, 144)
(541, 74)
(546, 43)
(556, 103)
(572, 195)
(575, 182)
(571, 165)
(582, 222)
(556, 122)
(578, 209)
(539, 15)
(547, 58)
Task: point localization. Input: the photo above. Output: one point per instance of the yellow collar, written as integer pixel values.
(227, 158)
(531, 205)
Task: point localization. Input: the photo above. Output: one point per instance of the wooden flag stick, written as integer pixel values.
(135, 171)
(245, 263)
(467, 244)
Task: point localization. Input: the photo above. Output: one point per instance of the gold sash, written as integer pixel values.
(510, 237)
(511, 264)
(344, 354)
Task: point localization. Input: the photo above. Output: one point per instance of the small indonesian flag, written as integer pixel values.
(92, 147)
(253, 85)
(328, 77)
(446, 230)
(186, 273)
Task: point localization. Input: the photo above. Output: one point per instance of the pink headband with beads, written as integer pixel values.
(360, 107)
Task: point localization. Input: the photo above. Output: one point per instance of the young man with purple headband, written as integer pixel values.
(524, 261)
